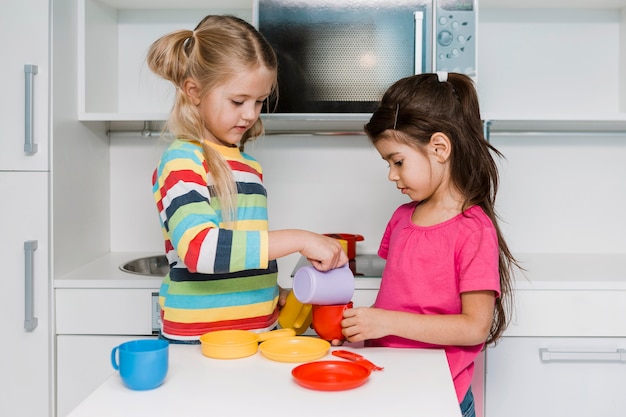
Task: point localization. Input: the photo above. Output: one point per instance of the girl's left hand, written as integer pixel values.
(363, 323)
(282, 296)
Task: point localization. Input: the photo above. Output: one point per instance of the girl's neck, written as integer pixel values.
(437, 209)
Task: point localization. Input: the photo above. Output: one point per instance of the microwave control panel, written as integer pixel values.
(454, 27)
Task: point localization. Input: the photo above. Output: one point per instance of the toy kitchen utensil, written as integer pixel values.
(294, 349)
(348, 242)
(234, 344)
(330, 375)
(327, 320)
(142, 364)
(335, 286)
(295, 315)
(356, 358)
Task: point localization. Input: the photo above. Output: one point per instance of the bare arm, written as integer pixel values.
(323, 252)
(471, 327)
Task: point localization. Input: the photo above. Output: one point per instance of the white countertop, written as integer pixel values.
(545, 271)
(415, 382)
(105, 272)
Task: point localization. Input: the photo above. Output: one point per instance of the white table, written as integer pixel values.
(415, 382)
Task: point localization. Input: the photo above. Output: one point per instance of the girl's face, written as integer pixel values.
(419, 175)
(231, 108)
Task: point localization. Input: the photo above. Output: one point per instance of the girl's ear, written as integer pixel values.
(441, 146)
(191, 90)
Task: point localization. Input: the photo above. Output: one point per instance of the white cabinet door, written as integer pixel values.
(25, 353)
(24, 36)
(83, 363)
(556, 377)
(24, 178)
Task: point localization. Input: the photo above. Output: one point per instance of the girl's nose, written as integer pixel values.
(249, 113)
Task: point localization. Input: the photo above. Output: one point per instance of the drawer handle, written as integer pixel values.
(547, 355)
(30, 321)
(30, 147)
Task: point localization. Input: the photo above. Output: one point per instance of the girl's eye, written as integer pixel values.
(398, 163)
(237, 103)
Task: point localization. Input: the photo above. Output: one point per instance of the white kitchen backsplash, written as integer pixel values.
(558, 194)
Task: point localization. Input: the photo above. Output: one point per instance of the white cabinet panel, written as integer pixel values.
(556, 377)
(113, 38)
(23, 41)
(90, 322)
(104, 311)
(569, 313)
(24, 359)
(83, 363)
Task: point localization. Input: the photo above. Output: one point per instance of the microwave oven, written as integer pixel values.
(336, 58)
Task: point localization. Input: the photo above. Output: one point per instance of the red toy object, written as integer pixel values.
(350, 240)
(330, 375)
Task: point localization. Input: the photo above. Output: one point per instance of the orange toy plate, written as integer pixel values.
(330, 375)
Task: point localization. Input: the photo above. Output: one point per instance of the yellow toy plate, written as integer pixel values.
(294, 349)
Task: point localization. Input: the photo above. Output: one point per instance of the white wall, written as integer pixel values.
(558, 193)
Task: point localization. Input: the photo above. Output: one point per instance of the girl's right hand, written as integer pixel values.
(324, 252)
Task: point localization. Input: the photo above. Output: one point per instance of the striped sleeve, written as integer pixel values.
(191, 219)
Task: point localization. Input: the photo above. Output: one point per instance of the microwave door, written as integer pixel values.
(419, 41)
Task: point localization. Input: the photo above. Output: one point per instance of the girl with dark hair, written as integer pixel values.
(448, 272)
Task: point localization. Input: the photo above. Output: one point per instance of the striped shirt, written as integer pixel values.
(219, 278)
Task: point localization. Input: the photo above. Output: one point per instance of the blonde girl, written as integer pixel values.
(209, 193)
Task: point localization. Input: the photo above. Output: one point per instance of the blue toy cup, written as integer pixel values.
(142, 364)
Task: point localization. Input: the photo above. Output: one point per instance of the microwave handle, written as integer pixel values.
(419, 41)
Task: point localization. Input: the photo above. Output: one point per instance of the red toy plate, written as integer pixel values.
(330, 375)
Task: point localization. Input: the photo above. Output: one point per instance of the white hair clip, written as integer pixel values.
(395, 119)
(442, 76)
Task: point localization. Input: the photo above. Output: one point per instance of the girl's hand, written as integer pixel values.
(363, 323)
(282, 296)
(336, 342)
(324, 253)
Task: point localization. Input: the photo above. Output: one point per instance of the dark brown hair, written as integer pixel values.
(416, 107)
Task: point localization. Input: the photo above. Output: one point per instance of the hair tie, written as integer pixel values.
(442, 76)
(188, 43)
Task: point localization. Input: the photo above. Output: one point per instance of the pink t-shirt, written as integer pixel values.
(428, 268)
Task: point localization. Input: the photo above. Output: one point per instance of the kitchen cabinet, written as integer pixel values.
(564, 353)
(553, 65)
(83, 364)
(108, 317)
(114, 36)
(98, 307)
(24, 177)
(551, 376)
(542, 65)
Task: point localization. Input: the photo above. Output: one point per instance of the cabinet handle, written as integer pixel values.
(487, 129)
(30, 147)
(419, 42)
(30, 321)
(547, 355)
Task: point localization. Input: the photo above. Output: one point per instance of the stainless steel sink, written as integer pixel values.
(156, 266)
